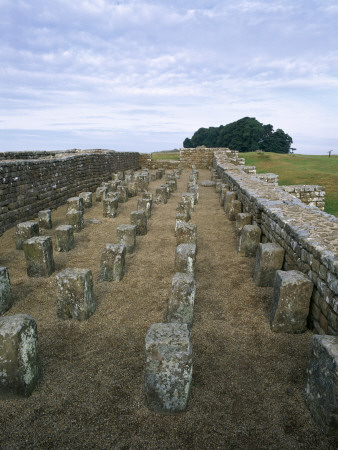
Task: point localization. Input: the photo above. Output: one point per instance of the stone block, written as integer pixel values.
(189, 197)
(181, 218)
(158, 174)
(110, 206)
(153, 177)
(249, 240)
(113, 185)
(229, 197)
(224, 189)
(322, 383)
(112, 262)
(24, 231)
(161, 194)
(218, 186)
(145, 205)
(234, 210)
(291, 302)
(5, 290)
(101, 193)
(45, 219)
(126, 235)
(64, 238)
(123, 194)
(185, 258)
(20, 369)
(186, 233)
(148, 196)
(139, 219)
(75, 297)
(194, 190)
(75, 218)
(180, 306)
(168, 367)
(132, 189)
(87, 198)
(184, 208)
(172, 185)
(39, 256)
(75, 203)
(269, 259)
(242, 219)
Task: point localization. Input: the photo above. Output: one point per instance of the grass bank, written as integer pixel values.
(173, 155)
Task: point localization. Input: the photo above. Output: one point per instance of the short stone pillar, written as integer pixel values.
(112, 262)
(269, 259)
(45, 219)
(189, 197)
(123, 194)
(5, 292)
(75, 297)
(184, 208)
(322, 383)
(291, 302)
(242, 219)
(224, 189)
(20, 369)
(161, 195)
(234, 210)
(181, 218)
(126, 235)
(185, 258)
(180, 306)
(168, 367)
(148, 196)
(24, 231)
(172, 185)
(194, 190)
(110, 206)
(153, 177)
(158, 174)
(75, 218)
(101, 193)
(218, 186)
(75, 203)
(39, 256)
(249, 240)
(87, 198)
(120, 175)
(186, 233)
(145, 205)
(229, 197)
(64, 238)
(139, 219)
(142, 184)
(132, 189)
(113, 185)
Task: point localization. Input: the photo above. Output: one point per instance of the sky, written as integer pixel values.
(144, 75)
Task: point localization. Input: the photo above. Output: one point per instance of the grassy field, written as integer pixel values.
(174, 155)
(301, 169)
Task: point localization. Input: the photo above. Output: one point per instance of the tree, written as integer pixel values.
(329, 152)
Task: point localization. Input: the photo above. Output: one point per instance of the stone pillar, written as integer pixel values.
(75, 218)
(112, 262)
(184, 208)
(218, 186)
(75, 298)
(126, 235)
(242, 219)
(153, 177)
(113, 185)
(322, 383)
(19, 363)
(39, 256)
(24, 231)
(224, 189)
(158, 174)
(186, 233)
(234, 210)
(123, 194)
(110, 205)
(45, 219)
(87, 198)
(291, 302)
(148, 196)
(64, 238)
(139, 219)
(145, 205)
(194, 190)
(168, 367)
(185, 258)
(269, 259)
(181, 301)
(75, 203)
(161, 195)
(101, 193)
(5, 292)
(249, 240)
(229, 197)
(132, 189)
(189, 197)
(180, 219)
(172, 185)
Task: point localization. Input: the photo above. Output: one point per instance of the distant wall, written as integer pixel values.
(28, 186)
(312, 195)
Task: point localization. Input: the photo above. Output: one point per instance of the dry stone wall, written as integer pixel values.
(28, 186)
(308, 235)
(311, 195)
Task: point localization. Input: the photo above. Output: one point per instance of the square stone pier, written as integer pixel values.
(39, 256)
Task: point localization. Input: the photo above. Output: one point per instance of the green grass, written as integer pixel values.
(301, 169)
(174, 155)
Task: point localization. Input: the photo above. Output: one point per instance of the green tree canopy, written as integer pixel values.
(244, 135)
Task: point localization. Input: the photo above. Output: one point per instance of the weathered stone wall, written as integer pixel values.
(28, 186)
(308, 235)
(311, 195)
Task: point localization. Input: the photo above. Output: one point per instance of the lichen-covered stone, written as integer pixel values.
(45, 219)
(87, 198)
(110, 206)
(234, 210)
(249, 240)
(64, 238)
(126, 235)
(145, 205)
(139, 219)
(132, 189)
(20, 368)
(322, 383)
(172, 185)
(123, 194)
(112, 262)
(75, 218)
(101, 193)
(186, 233)
(291, 302)
(75, 297)
(207, 183)
(269, 259)
(185, 258)
(5, 290)
(180, 306)
(194, 189)
(229, 197)
(148, 196)
(224, 189)
(161, 194)
(39, 256)
(24, 231)
(189, 197)
(184, 208)
(75, 203)
(153, 177)
(168, 367)
(242, 219)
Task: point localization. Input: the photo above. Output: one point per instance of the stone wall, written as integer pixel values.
(311, 195)
(147, 162)
(308, 235)
(28, 186)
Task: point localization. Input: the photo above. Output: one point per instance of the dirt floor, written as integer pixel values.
(248, 382)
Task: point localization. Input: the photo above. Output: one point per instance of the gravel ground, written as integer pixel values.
(248, 383)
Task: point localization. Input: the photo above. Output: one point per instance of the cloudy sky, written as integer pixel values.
(144, 75)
